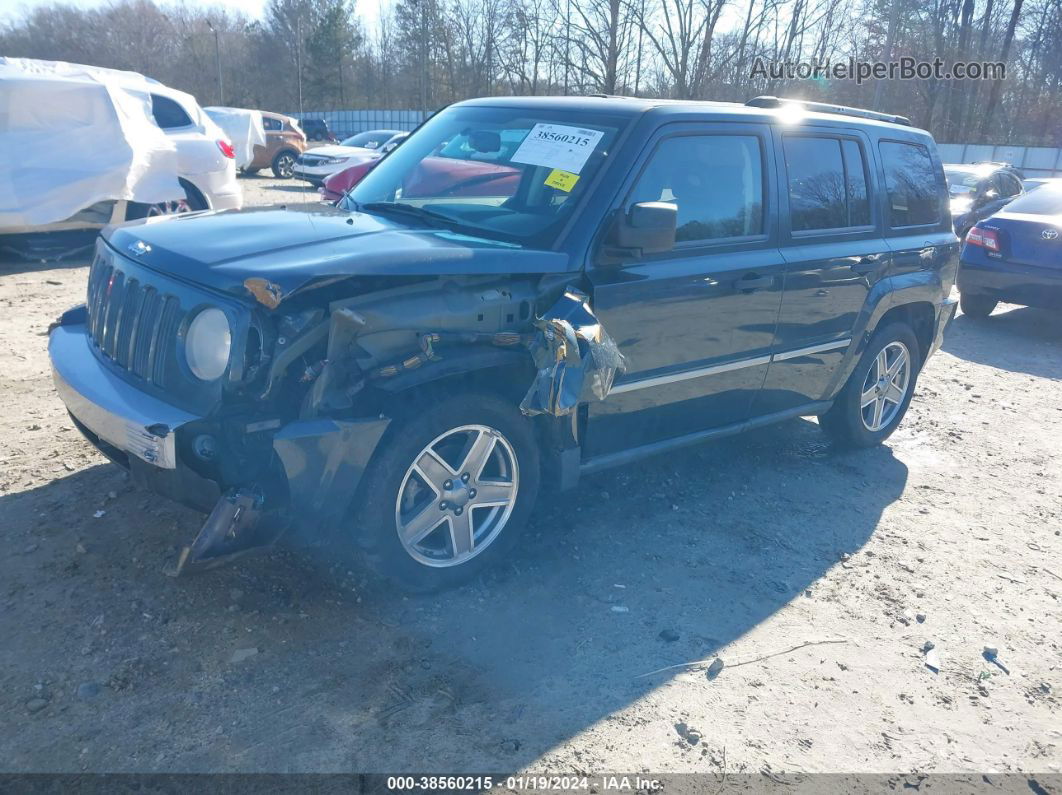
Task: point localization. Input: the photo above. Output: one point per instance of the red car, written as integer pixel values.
(466, 178)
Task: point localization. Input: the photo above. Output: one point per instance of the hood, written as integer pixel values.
(298, 249)
(335, 150)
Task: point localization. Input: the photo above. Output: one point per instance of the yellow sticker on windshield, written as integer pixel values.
(562, 180)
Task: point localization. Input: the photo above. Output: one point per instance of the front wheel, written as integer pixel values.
(448, 493)
(875, 398)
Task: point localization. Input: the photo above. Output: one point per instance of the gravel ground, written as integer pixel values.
(746, 549)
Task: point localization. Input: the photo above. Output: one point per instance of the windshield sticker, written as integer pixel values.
(557, 146)
(562, 180)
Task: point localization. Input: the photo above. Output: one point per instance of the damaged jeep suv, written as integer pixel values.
(525, 291)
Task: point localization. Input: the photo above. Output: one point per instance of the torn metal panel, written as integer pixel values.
(576, 359)
(235, 527)
(324, 460)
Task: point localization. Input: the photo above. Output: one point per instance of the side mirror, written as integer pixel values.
(647, 228)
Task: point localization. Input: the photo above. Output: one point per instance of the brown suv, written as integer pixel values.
(285, 141)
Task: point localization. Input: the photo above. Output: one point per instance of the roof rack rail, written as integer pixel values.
(825, 107)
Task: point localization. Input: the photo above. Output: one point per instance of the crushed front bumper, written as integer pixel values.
(320, 461)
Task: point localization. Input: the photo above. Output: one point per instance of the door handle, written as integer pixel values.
(749, 283)
(864, 265)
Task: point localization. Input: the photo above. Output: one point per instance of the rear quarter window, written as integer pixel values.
(1046, 200)
(911, 184)
(168, 114)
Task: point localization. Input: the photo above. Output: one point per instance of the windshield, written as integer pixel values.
(506, 173)
(370, 139)
(963, 181)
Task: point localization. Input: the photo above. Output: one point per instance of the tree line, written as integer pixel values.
(321, 54)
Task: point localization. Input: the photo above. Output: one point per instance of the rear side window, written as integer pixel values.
(715, 182)
(271, 124)
(1045, 200)
(1008, 185)
(827, 183)
(168, 114)
(911, 182)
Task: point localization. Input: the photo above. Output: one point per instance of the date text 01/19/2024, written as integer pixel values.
(520, 783)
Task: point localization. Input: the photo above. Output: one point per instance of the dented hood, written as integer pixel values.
(298, 249)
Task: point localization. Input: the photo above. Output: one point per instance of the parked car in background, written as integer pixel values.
(285, 142)
(323, 161)
(1032, 183)
(205, 158)
(980, 189)
(1015, 256)
(88, 146)
(317, 129)
(335, 186)
(244, 129)
(465, 177)
(639, 276)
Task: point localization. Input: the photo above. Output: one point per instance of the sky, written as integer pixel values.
(13, 10)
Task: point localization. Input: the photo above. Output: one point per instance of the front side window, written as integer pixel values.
(827, 183)
(168, 114)
(714, 181)
(911, 183)
(509, 173)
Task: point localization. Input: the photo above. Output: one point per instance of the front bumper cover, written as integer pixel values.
(118, 413)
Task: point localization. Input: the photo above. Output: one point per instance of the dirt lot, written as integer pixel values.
(742, 549)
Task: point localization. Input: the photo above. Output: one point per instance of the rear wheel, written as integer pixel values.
(873, 402)
(284, 165)
(190, 202)
(976, 306)
(449, 492)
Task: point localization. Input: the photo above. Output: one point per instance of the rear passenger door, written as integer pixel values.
(832, 243)
(695, 323)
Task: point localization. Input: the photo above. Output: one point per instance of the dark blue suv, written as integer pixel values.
(590, 281)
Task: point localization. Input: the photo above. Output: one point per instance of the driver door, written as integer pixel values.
(695, 324)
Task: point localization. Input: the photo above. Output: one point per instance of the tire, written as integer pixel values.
(250, 171)
(852, 424)
(394, 496)
(283, 164)
(977, 306)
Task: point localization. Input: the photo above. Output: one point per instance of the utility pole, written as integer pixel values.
(217, 58)
(298, 57)
(567, 43)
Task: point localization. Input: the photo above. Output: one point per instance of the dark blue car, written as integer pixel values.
(1015, 256)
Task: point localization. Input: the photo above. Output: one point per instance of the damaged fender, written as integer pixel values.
(324, 460)
(576, 358)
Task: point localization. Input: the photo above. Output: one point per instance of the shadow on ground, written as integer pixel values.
(1013, 338)
(704, 544)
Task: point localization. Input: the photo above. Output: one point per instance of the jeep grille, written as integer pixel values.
(130, 322)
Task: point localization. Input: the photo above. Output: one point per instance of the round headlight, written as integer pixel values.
(206, 348)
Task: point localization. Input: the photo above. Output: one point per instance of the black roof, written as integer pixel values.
(728, 111)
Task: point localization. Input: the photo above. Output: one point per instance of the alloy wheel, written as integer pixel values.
(457, 496)
(175, 207)
(286, 166)
(885, 386)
